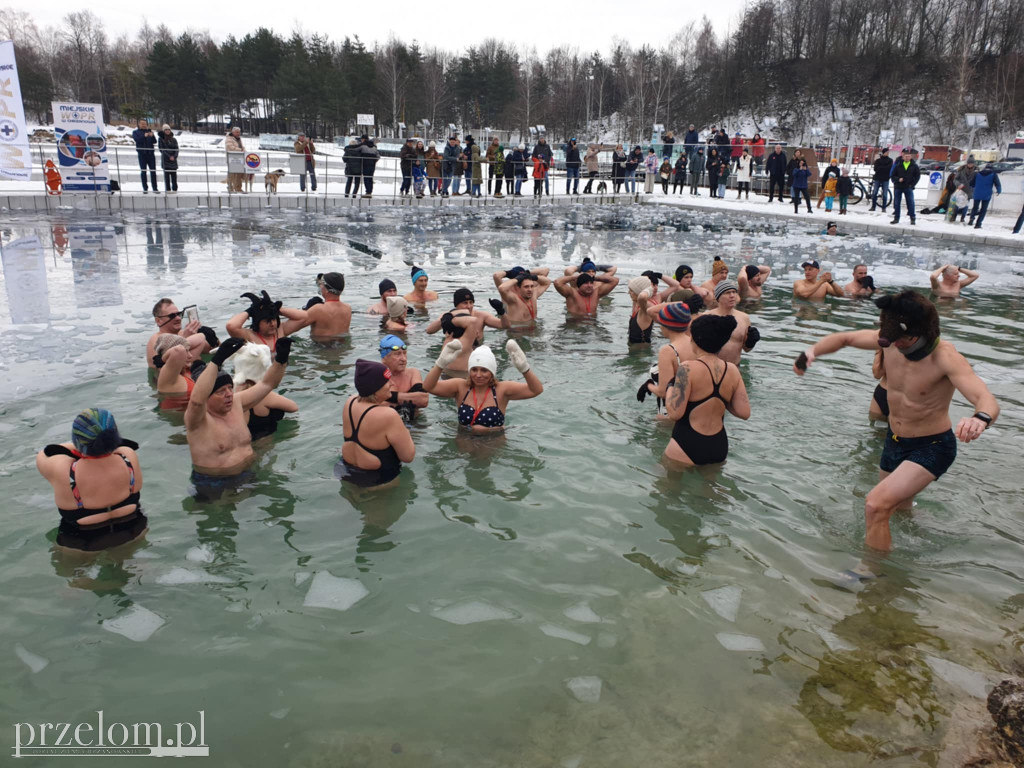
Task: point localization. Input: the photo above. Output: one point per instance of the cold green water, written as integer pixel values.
(584, 555)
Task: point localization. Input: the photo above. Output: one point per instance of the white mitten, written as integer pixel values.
(448, 354)
(517, 356)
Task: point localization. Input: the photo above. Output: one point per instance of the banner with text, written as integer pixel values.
(81, 147)
(15, 156)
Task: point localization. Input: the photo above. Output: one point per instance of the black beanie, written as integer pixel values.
(370, 377)
(386, 285)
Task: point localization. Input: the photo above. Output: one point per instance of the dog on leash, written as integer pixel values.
(270, 181)
(602, 187)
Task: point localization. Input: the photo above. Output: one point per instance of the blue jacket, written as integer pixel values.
(800, 177)
(144, 143)
(984, 180)
(691, 140)
(451, 158)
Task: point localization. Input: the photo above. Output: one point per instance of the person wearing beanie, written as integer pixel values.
(407, 395)
(684, 276)
(376, 439)
(397, 321)
(583, 291)
(386, 288)
(745, 336)
(520, 289)
(467, 323)
(751, 280)
(327, 316)
(719, 272)
(642, 294)
(483, 399)
(97, 483)
(704, 388)
(674, 321)
(251, 364)
(419, 293)
(265, 316)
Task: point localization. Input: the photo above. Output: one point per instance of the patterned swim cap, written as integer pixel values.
(94, 432)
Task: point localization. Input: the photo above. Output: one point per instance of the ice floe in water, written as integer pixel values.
(200, 554)
(583, 613)
(334, 592)
(725, 601)
(177, 576)
(833, 641)
(735, 642)
(135, 623)
(553, 630)
(585, 689)
(967, 680)
(473, 612)
(33, 661)
(301, 577)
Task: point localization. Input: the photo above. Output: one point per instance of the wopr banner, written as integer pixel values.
(15, 156)
(81, 147)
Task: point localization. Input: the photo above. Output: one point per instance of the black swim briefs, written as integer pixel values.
(936, 453)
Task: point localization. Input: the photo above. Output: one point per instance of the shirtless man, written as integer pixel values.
(168, 320)
(862, 285)
(327, 315)
(407, 395)
(719, 272)
(465, 321)
(419, 293)
(386, 288)
(582, 292)
(948, 287)
(751, 280)
(218, 436)
(520, 291)
(922, 372)
(815, 286)
(745, 336)
(685, 277)
(266, 327)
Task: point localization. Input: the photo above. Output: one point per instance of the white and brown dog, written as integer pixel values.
(270, 181)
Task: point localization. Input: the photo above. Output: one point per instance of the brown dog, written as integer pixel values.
(270, 181)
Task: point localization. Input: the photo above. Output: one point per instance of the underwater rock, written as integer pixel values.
(1006, 705)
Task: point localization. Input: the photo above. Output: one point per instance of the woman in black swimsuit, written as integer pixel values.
(703, 390)
(640, 321)
(97, 482)
(376, 439)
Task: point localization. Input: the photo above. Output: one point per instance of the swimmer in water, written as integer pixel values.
(376, 440)
(97, 483)
(386, 288)
(419, 293)
(684, 276)
(674, 320)
(589, 267)
(641, 321)
(215, 426)
(719, 272)
(520, 289)
(173, 359)
(407, 394)
(490, 397)
(168, 320)
(251, 364)
(745, 336)
(815, 285)
(327, 315)
(582, 292)
(863, 285)
(922, 373)
(703, 390)
(398, 315)
(266, 327)
(751, 280)
(946, 280)
(467, 323)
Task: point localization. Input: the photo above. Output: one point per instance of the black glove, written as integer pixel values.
(753, 336)
(254, 303)
(410, 311)
(513, 273)
(868, 282)
(394, 398)
(447, 325)
(226, 350)
(211, 337)
(313, 302)
(158, 361)
(643, 392)
(126, 443)
(801, 361)
(282, 349)
(417, 387)
(499, 307)
(695, 303)
(197, 368)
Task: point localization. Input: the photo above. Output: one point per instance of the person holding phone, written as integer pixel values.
(168, 319)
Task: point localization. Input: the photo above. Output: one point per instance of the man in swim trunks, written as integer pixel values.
(862, 285)
(168, 320)
(744, 336)
(327, 315)
(946, 280)
(583, 291)
(815, 285)
(407, 394)
(215, 426)
(386, 288)
(751, 280)
(520, 290)
(719, 272)
(684, 274)
(922, 372)
(466, 323)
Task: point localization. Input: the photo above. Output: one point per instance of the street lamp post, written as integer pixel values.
(910, 124)
(845, 116)
(975, 121)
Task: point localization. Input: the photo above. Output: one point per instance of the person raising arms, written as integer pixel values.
(751, 280)
(946, 280)
(813, 285)
(266, 327)
(467, 323)
(583, 291)
(520, 289)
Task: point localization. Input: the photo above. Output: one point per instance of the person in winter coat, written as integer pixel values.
(145, 140)
(450, 164)
(540, 173)
(168, 159)
(844, 188)
(498, 164)
(905, 175)
(775, 166)
(801, 182)
(965, 176)
(619, 161)
(353, 168)
(467, 166)
(419, 176)
(368, 156)
(880, 178)
(757, 150)
(793, 165)
(958, 204)
(593, 167)
(665, 175)
(723, 145)
(510, 179)
(744, 172)
(724, 168)
(492, 154)
(519, 168)
(305, 147)
(691, 142)
(984, 180)
(233, 143)
(714, 167)
(477, 171)
(737, 148)
(832, 171)
(572, 167)
(433, 163)
(679, 180)
(651, 170)
(543, 151)
(636, 159)
(406, 155)
(668, 143)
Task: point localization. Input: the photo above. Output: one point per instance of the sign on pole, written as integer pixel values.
(15, 156)
(81, 147)
(364, 120)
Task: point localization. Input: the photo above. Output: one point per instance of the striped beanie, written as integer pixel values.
(674, 317)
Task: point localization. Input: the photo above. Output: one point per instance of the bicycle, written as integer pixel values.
(860, 192)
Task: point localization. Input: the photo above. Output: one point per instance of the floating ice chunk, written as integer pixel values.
(31, 660)
(177, 576)
(336, 593)
(553, 630)
(585, 689)
(200, 554)
(146, 554)
(473, 612)
(582, 612)
(970, 682)
(135, 623)
(735, 642)
(591, 590)
(616, 439)
(773, 573)
(606, 640)
(725, 601)
(280, 714)
(301, 577)
(687, 569)
(572, 762)
(833, 641)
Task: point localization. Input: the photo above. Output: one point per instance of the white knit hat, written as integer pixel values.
(396, 306)
(482, 357)
(251, 363)
(638, 285)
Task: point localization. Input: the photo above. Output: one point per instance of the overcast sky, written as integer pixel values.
(589, 25)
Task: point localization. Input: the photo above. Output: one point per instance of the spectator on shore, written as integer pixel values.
(668, 142)
(499, 170)
(724, 169)
(714, 167)
(405, 157)
(679, 180)
(477, 171)
(232, 143)
(905, 175)
(593, 167)
(543, 151)
(450, 164)
(757, 151)
(801, 177)
(844, 188)
(832, 171)
(959, 202)
(650, 170)
(965, 176)
(492, 155)
(168, 159)
(776, 166)
(572, 168)
(619, 160)
(636, 159)
(305, 147)
(691, 141)
(467, 165)
(540, 173)
(697, 165)
(880, 178)
(510, 178)
(433, 162)
(723, 145)
(665, 175)
(368, 156)
(518, 163)
(744, 172)
(984, 180)
(353, 168)
(793, 165)
(737, 148)
(145, 140)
